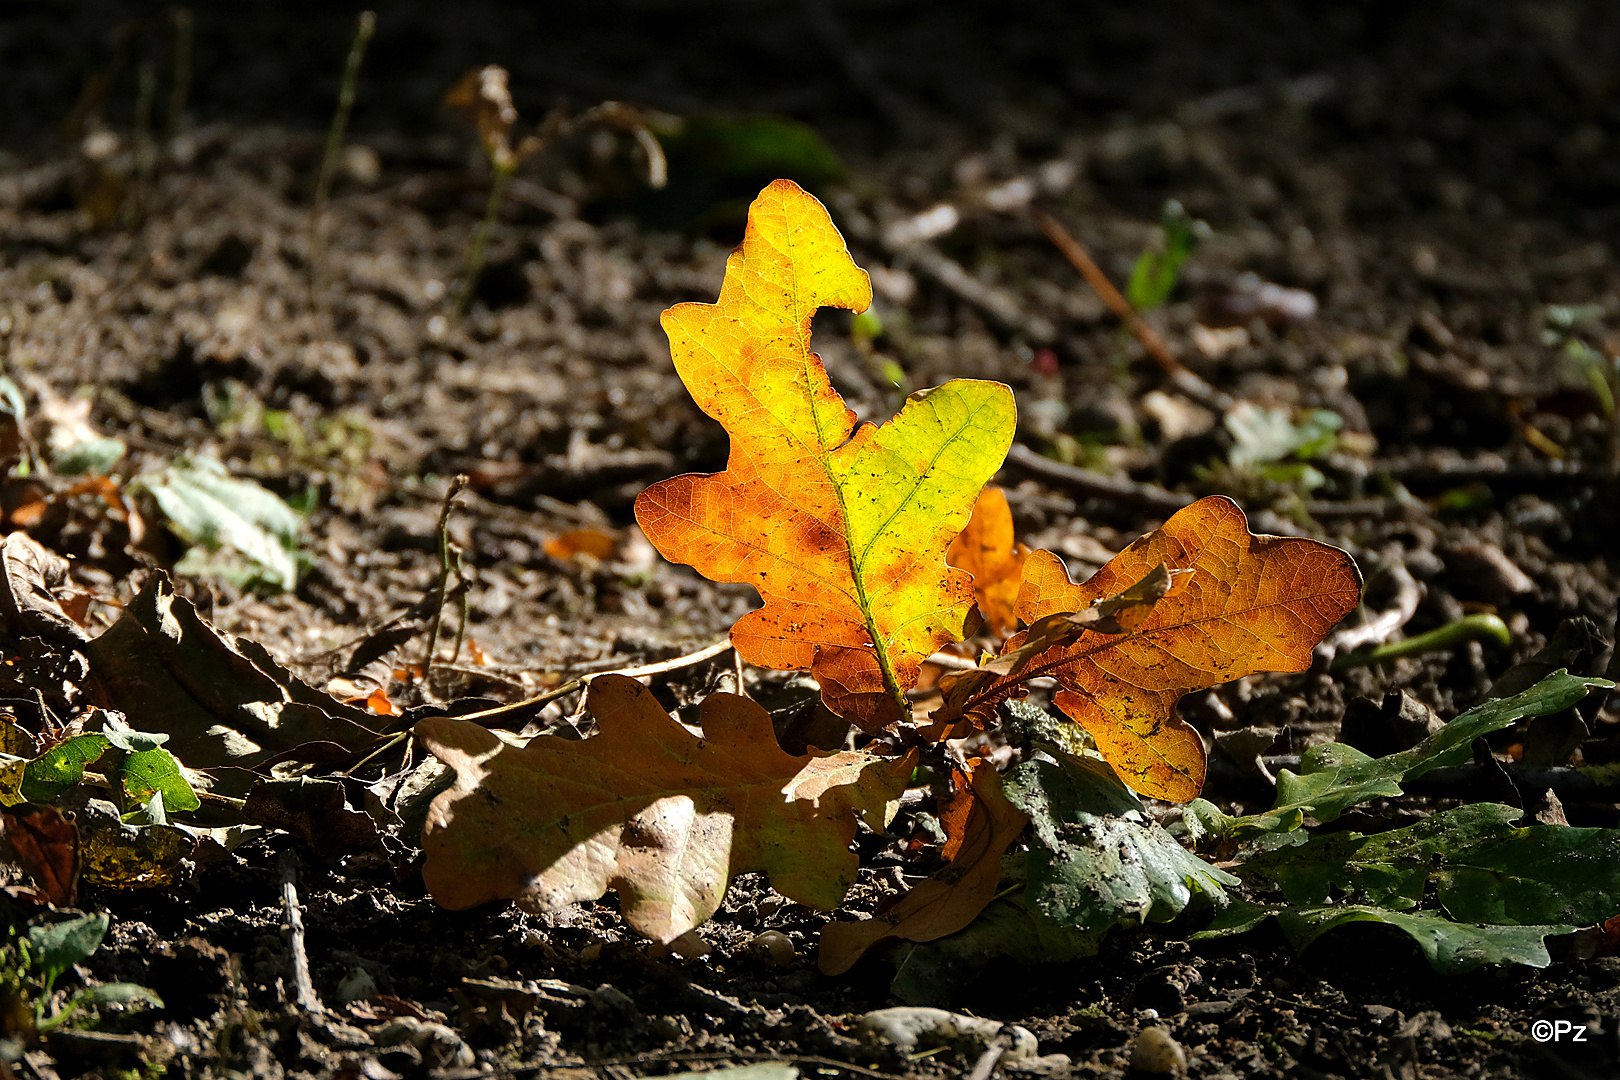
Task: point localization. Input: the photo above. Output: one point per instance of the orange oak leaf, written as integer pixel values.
(982, 824)
(645, 807)
(1252, 603)
(986, 549)
(841, 528)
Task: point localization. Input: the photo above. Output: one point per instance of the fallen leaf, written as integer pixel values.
(47, 847)
(974, 693)
(122, 856)
(314, 811)
(842, 528)
(377, 701)
(1452, 948)
(1252, 603)
(222, 701)
(1332, 777)
(598, 545)
(646, 808)
(953, 897)
(987, 550)
(1096, 859)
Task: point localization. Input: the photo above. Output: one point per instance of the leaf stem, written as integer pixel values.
(1471, 628)
(457, 483)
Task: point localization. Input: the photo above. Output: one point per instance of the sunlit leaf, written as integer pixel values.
(842, 528)
(987, 550)
(646, 808)
(1251, 603)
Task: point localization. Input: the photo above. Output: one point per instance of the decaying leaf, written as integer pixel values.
(646, 808)
(1251, 603)
(47, 847)
(951, 898)
(122, 856)
(28, 574)
(987, 550)
(239, 530)
(842, 528)
(593, 542)
(220, 701)
(315, 812)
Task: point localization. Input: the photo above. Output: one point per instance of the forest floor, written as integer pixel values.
(1450, 259)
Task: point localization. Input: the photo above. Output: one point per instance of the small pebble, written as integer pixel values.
(773, 947)
(1156, 1052)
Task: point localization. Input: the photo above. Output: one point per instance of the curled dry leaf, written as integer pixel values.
(981, 827)
(1251, 603)
(842, 528)
(987, 550)
(646, 808)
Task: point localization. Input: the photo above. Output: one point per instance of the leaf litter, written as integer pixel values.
(1096, 857)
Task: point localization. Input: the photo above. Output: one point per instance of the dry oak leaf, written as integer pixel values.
(982, 827)
(1252, 603)
(842, 528)
(647, 808)
(987, 550)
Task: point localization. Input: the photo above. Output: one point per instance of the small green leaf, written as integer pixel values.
(119, 994)
(208, 508)
(1154, 276)
(932, 972)
(62, 766)
(59, 946)
(148, 773)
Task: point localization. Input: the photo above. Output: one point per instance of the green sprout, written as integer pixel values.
(1156, 272)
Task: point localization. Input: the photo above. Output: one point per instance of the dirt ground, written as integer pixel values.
(1443, 182)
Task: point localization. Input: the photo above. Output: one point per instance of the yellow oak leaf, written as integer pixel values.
(842, 528)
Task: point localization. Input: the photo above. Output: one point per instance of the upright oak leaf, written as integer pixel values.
(986, 549)
(1250, 604)
(841, 528)
(647, 808)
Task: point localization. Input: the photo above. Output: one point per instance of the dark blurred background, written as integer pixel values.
(1411, 82)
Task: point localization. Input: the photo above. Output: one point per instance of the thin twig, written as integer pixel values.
(292, 925)
(1082, 261)
(523, 709)
(1149, 497)
(365, 26)
(457, 482)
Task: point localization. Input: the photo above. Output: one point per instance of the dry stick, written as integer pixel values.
(519, 708)
(293, 926)
(991, 1056)
(1151, 341)
(457, 483)
(365, 26)
(1149, 497)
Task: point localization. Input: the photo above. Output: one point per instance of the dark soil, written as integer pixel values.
(1435, 177)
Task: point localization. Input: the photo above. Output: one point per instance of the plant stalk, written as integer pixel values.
(365, 26)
